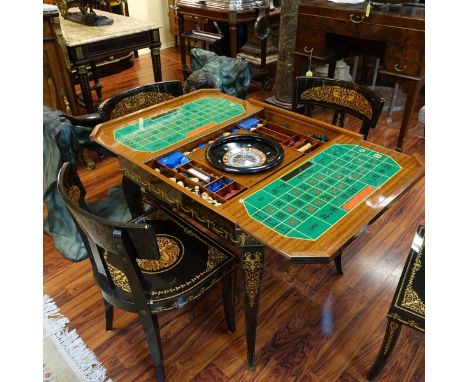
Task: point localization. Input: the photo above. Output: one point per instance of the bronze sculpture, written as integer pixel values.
(86, 16)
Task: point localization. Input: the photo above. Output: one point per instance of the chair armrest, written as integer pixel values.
(87, 120)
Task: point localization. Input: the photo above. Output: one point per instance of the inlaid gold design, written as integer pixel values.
(390, 337)
(411, 299)
(171, 251)
(137, 102)
(252, 267)
(215, 257)
(410, 323)
(339, 96)
(74, 194)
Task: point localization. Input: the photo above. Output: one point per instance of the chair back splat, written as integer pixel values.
(156, 262)
(341, 96)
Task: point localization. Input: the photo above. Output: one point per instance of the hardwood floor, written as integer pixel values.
(313, 324)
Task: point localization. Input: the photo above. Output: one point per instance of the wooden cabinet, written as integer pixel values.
(336, 31)
(58, 90)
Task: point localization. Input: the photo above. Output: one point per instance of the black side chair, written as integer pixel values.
(341, 96)
(408, 304)
(152, 264)
(124, 103)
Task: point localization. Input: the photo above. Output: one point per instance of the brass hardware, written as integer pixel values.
(399, 68)
(356, 19)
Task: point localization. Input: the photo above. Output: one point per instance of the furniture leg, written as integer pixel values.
(355, 67)
(233, 38)
(82, 71)
(331, 69)
(109, 310)
(156, 59)
(151, 329)
(252, 269)
(133, 196)
(393, 101)
(413, 91)
(337, 261)
(388, 343)
(229, 299)
(183, 57)
(97, 86)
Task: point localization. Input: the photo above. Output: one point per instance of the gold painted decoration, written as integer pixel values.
(137, 102)
(411, 299)
(171, 251)
(339, 96)
(392, 331)
(253, 263)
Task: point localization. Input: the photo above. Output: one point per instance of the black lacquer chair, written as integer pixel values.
(408, 304)
(155, 263)
(126, 102)
(341, 96)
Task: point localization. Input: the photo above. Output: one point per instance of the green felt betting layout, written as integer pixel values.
(155, 133)
(307, 201)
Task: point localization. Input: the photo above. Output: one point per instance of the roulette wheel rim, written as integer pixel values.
(260, 154)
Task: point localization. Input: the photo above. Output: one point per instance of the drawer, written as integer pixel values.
(403, 60)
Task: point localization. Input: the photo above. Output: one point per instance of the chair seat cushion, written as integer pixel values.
(190, 263)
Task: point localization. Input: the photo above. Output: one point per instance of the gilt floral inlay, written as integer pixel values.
(339, 96)
(171, 251)
(137, 102)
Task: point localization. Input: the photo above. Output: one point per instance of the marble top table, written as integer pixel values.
(88, 44)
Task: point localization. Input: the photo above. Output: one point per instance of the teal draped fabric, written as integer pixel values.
(61, 143)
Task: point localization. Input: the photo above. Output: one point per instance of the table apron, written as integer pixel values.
(171, 196)
(102, 49)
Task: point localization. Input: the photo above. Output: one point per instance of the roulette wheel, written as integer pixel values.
(244, 154)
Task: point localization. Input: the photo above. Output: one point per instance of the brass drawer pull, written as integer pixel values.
(399, 68)
(356, 19)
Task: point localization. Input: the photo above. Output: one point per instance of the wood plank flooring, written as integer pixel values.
(313, 324)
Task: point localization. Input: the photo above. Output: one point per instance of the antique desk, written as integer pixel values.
(336, 31)
(87, 44)
(307, 208)
(231, 11)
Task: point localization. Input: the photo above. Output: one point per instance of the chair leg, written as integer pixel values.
(109, 309)
(153, 338)
(229, 300)
(365, 131)
(389, 342)
(337, 261)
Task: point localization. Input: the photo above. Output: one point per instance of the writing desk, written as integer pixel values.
(308, 208)
(336, 31)
(88, 44)
(230, 11)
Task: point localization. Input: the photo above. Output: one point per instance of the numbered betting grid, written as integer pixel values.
(310, 199)
(155, 133)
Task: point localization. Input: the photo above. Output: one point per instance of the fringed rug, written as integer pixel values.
(66, 358)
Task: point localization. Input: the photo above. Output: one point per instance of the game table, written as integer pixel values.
(327, 188)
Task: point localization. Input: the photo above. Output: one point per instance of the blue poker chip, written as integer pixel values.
(248, 123)
(174, 159)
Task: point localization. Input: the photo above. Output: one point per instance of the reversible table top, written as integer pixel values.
(309, 206)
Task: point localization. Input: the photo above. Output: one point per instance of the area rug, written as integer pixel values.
(66, 358)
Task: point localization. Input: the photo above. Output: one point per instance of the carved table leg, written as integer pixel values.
(389, 342)
(252, 253)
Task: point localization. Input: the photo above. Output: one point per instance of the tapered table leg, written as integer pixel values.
(252, 270)
(388, 343)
